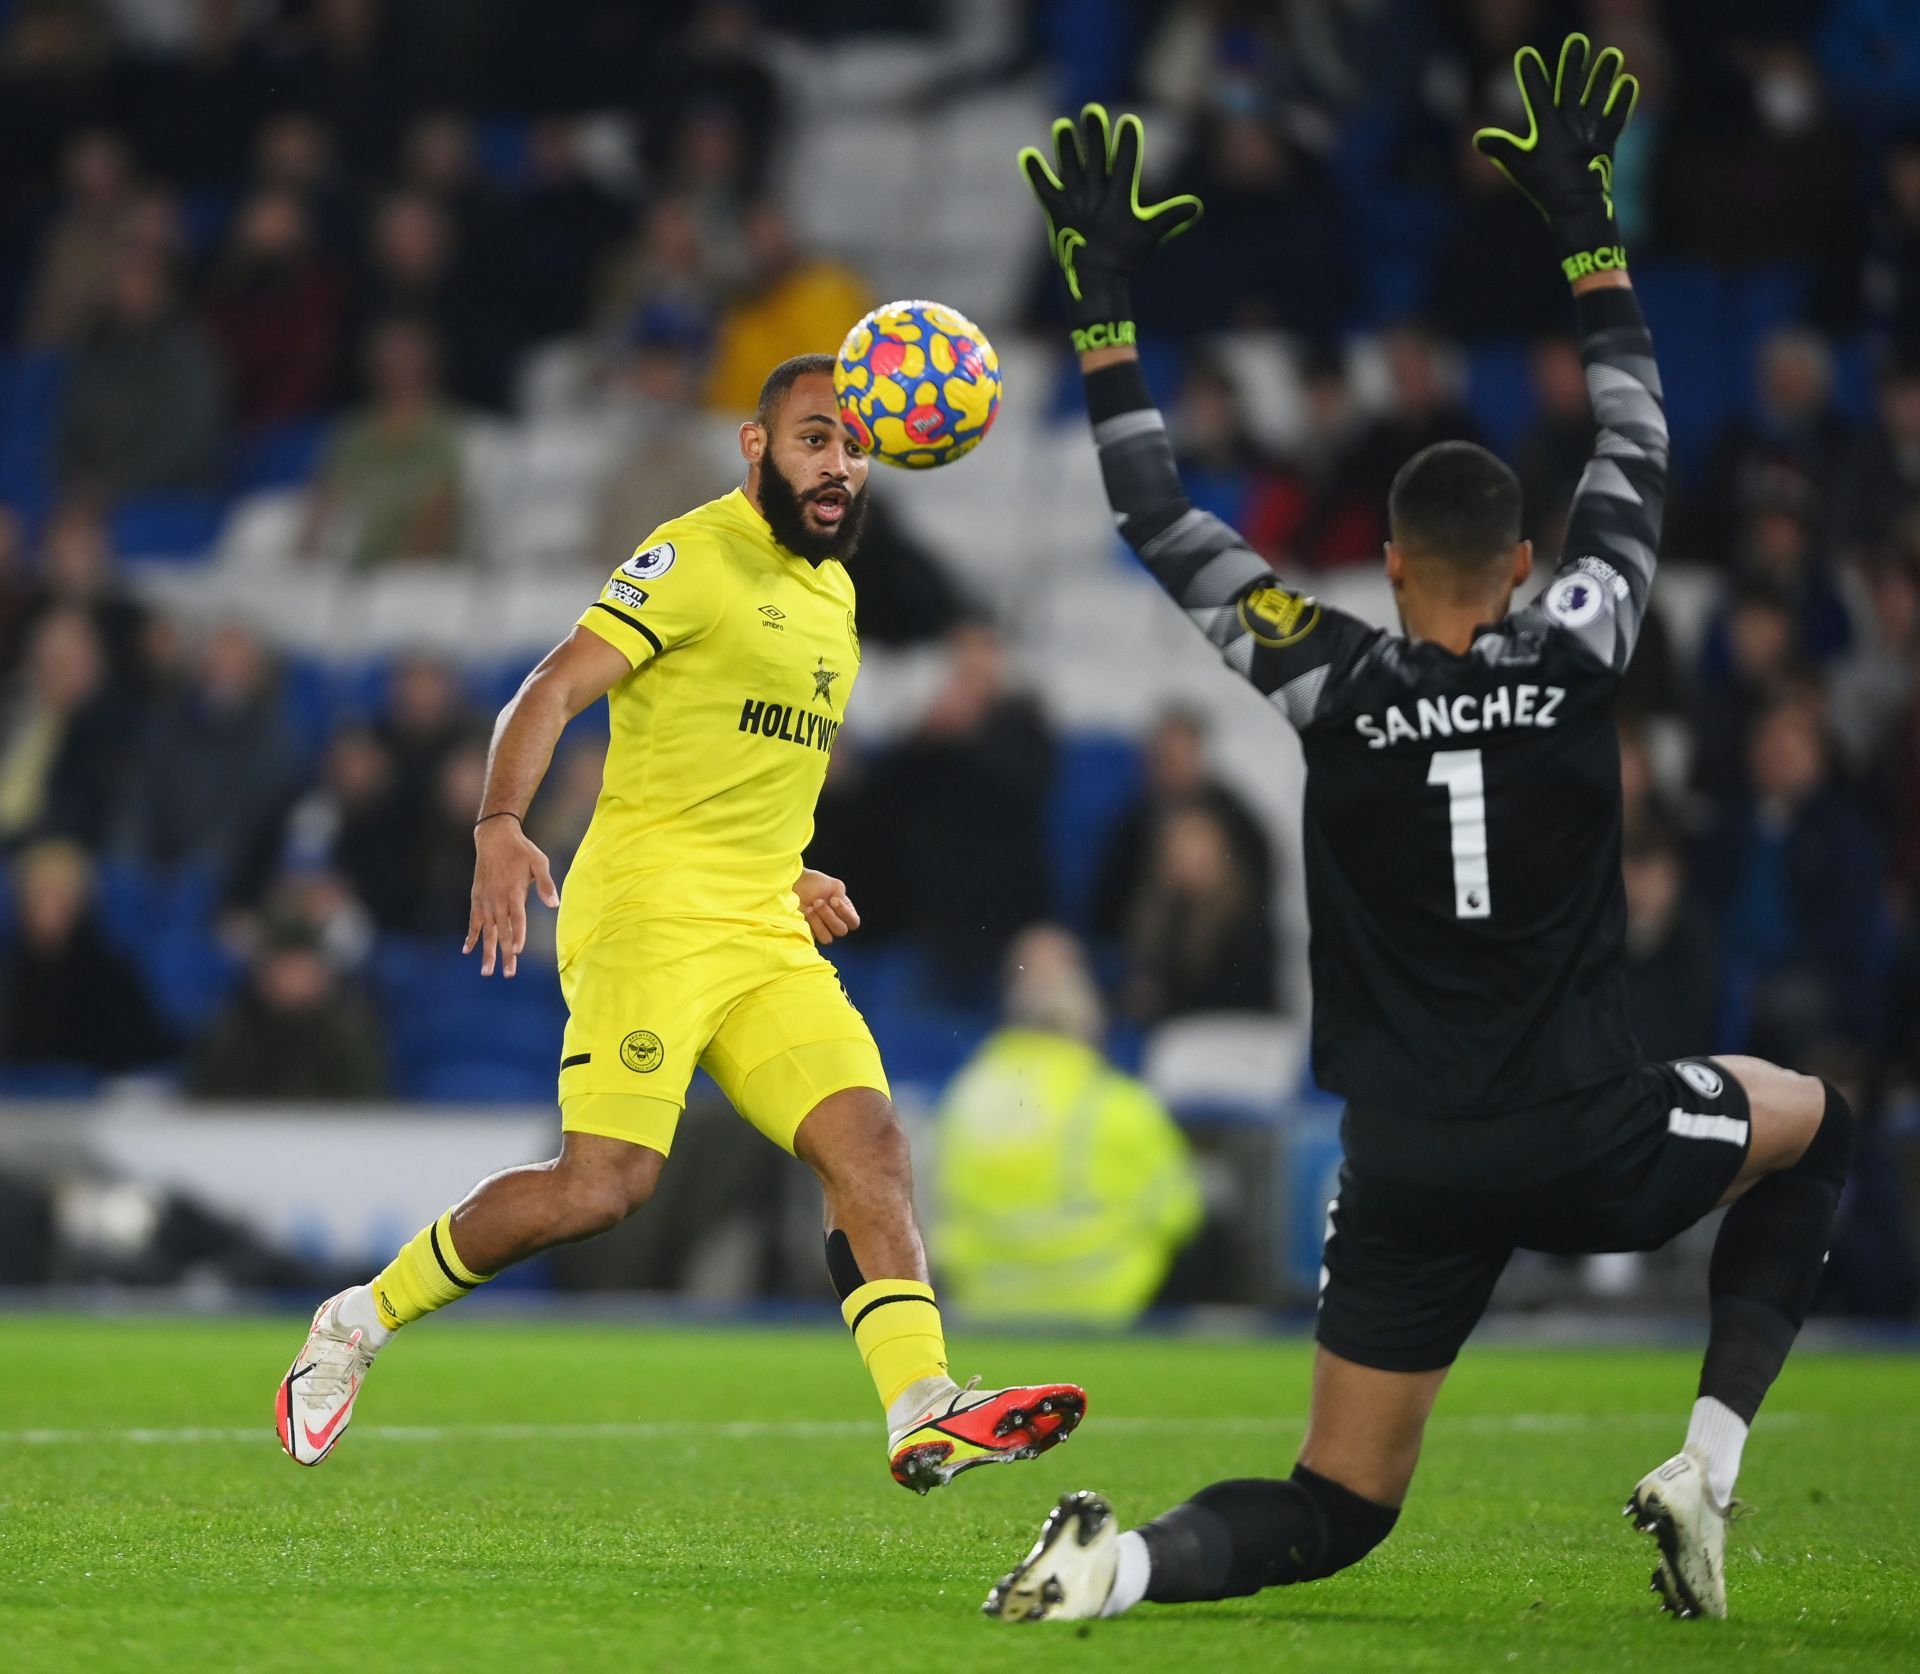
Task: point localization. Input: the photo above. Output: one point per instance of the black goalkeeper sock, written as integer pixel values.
(1767, 1263)
(1236, 1537)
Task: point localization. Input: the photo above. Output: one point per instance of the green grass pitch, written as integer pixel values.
(529, 1496)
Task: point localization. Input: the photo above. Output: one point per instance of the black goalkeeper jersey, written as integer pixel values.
(1462, 817)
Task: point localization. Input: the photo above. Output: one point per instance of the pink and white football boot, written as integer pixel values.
(315, 1403)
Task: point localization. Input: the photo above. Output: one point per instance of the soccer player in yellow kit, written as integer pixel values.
(727, 648)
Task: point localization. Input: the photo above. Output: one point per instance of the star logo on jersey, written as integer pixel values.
(823, 679)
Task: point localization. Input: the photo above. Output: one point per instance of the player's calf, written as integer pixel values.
(1230, 1540)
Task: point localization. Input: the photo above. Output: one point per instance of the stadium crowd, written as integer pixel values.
(267, 244)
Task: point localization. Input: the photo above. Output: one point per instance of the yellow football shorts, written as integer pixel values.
(753, 1004)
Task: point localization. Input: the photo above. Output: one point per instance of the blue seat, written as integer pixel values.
(1096, 776)
(182, 525)
(1500, 392)
(30, 386)
(456, 1081)
(281, 456)
(48, 1081)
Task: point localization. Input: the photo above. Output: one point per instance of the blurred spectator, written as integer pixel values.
(290, 1034)
(1420, 410)
(1787, 450)
(965, 795)
(61, 739)
(1890, 280)
(560, 226)
(213, 756)
(1556, 446)
(1759, 657)
(1299, 512)
(792, 303)
(1672, 952)
(78, 572)
(144, 405)
(1797, 873)
(668, 461)
(660, 289)
(1759, 188)
(1065, 1190)
(907, 595)
(17, 591)
(1881, 484)
(1280, 253)
(56, 62)
(1494, 273)
(350, 824)
(426, 716)
(389, 487)
(437, 160)
(417, 269)
(719, 96)
(1179, 776)
(276, 307)
(1211, 441)
(295, 152)
(568, 796)
(1774, 553)
(1197, 937)
(1874, 686)
(443, 858)
(66, 996)
(80, 252)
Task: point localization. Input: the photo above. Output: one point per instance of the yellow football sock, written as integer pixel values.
(425, 1275)
(896, 1328)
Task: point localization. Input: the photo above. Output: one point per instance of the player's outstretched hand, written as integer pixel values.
(506, 863)
(1097, 227)
(1564, 161)
(824, 905)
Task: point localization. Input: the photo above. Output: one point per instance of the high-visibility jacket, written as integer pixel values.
(1064, 1189)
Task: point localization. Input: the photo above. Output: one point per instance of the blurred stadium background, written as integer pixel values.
(347, 344)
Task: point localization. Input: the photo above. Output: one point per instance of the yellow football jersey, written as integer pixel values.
(743, 658)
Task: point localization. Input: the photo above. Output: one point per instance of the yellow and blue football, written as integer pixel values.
(918, 384)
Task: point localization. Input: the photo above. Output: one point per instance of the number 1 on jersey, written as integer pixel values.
(1460, 771)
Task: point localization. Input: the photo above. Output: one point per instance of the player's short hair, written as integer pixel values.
(782, 378)
(1455, 502)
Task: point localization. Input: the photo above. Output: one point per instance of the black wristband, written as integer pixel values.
(500, 813)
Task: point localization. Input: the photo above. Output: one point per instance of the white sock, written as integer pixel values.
(1130, 1579)
(1715, 1436)
(357, 1309)
(912, 1401)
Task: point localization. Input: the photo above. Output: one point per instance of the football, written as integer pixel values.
(918, 384)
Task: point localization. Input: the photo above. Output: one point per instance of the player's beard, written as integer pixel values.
(784, 508)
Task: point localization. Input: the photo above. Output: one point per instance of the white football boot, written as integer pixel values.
(1675, 1506)
(1068, 1575)
(314, 1406)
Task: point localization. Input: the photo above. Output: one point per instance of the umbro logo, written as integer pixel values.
(772, 616)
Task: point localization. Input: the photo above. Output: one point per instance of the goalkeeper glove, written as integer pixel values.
(1097, 227)
(1564, 162)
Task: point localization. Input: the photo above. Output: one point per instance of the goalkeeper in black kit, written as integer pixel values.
(1462, 856)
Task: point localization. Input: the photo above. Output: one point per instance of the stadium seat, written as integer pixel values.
(1095, 777)
(30, 386)
(1500, 393)
(283, 456)
(179, 526)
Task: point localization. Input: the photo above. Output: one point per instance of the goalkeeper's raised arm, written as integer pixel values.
(1099, 232)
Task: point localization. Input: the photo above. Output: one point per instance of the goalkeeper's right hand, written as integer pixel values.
(1564, 161)
(1097, 227)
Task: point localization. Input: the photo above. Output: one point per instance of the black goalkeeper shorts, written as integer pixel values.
(1430, 1209)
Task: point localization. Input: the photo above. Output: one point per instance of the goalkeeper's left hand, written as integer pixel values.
(1097, 227)
(1564, 161)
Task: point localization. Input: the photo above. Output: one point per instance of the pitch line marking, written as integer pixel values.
(693, 1429)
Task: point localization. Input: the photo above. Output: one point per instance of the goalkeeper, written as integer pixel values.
(1461, 836)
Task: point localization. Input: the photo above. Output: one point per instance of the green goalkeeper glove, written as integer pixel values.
(1097, 227)
(1565, 161)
